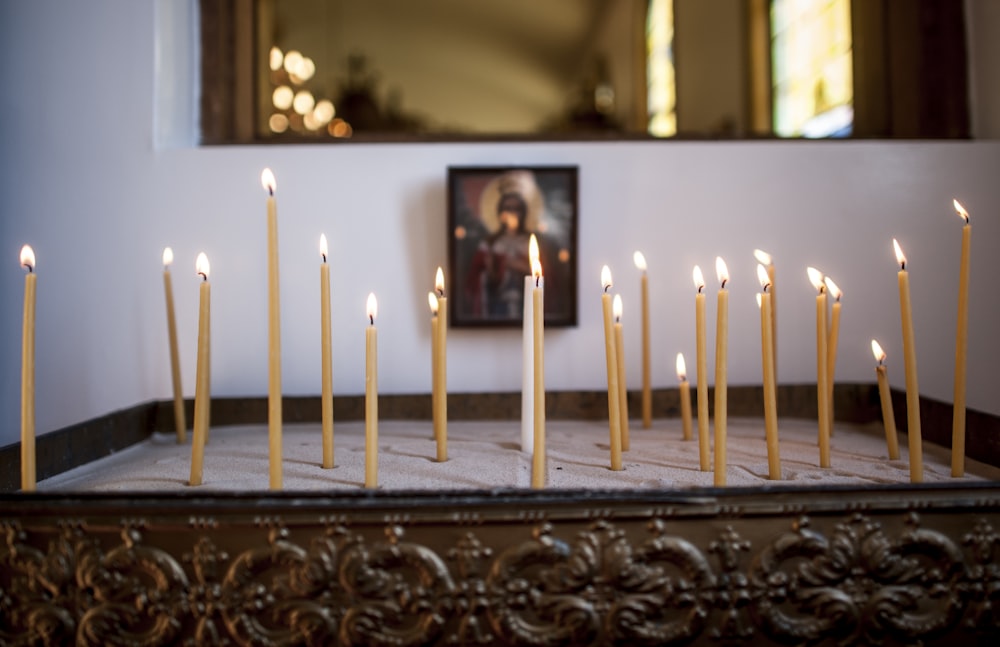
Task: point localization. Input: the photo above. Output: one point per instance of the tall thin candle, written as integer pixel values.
(528, 363)
(888, 418)
(685, 396)
(765, 259)
(721, 369)
(616, 309)
(767, 371)
(961, 350)
(326, 359)
(822, 389)
(371, 396)
(538, 348)
(701, 369)
(274, 334)
(833, 338)
(28, 461)
(440, 386)
(614, 419)
(647, 389)
(202, 379)
(913, 434)
(180, 422)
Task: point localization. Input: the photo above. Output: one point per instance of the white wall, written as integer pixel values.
(83, 183)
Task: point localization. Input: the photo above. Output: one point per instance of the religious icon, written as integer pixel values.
(493, 211)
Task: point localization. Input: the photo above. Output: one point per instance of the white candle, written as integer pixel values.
(961, 349)
(647, 389)
(910, 368)
(527, 362)
(326, 360)
(180, 423)
(274, 334)
(28, 460)
(202, 395)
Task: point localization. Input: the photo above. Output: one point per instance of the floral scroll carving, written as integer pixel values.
(847, 580)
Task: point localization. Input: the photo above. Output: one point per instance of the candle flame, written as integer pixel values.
(762, 257)
(721, 271)
(372, 308)
(536, 265)
(640, 261)
(961, 210)
(833, 288)
(28, 258)
(699, 278)
(201, 266)
(323, 247)
(267, 181)
(439, 281)
(765, 280)
(616, 307)
(168, 256)
(681, 367)
(816, 278)
(606, 278)
(900, 257)
(433, 303)
(878, 352)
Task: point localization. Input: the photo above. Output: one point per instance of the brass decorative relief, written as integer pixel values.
(678, 570)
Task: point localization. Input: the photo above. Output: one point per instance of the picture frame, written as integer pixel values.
(492, 211)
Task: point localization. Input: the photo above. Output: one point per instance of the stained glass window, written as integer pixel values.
(661, 89)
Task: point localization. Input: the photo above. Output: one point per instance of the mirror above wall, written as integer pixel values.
(446, 70)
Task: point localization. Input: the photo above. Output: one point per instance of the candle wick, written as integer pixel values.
(767, 286)
(902, 266)
(538, 280)
(441, 292)
(724, 284)
(324, 257)
(607, 287)
(270, 191)
(700, 288)
(371, 318)
(30, 268)
(204, 277)
(822, 289)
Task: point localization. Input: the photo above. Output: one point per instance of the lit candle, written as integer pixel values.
(326, 359)
(538, 346)
(614, 420)
(620, 365)
(274, 334)
(528, 362)
(910, 366)
(701, 367)
(371, 396)
(685, 396)
(28, 479)
(440, 382)
(888, 419)
(721, 351)
(202, 379)
(961, 347)
(180, 423)
(432, 301)
(767, 364)
(822, 389)
(765, 259)
(832, 336)
(647, 389)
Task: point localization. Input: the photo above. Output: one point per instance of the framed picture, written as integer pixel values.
(492, 212)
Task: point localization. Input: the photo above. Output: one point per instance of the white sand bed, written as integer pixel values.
(486, 454)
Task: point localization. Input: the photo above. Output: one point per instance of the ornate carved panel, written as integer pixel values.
(714, 567)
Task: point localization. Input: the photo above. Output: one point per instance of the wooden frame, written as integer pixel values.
(488, 247)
